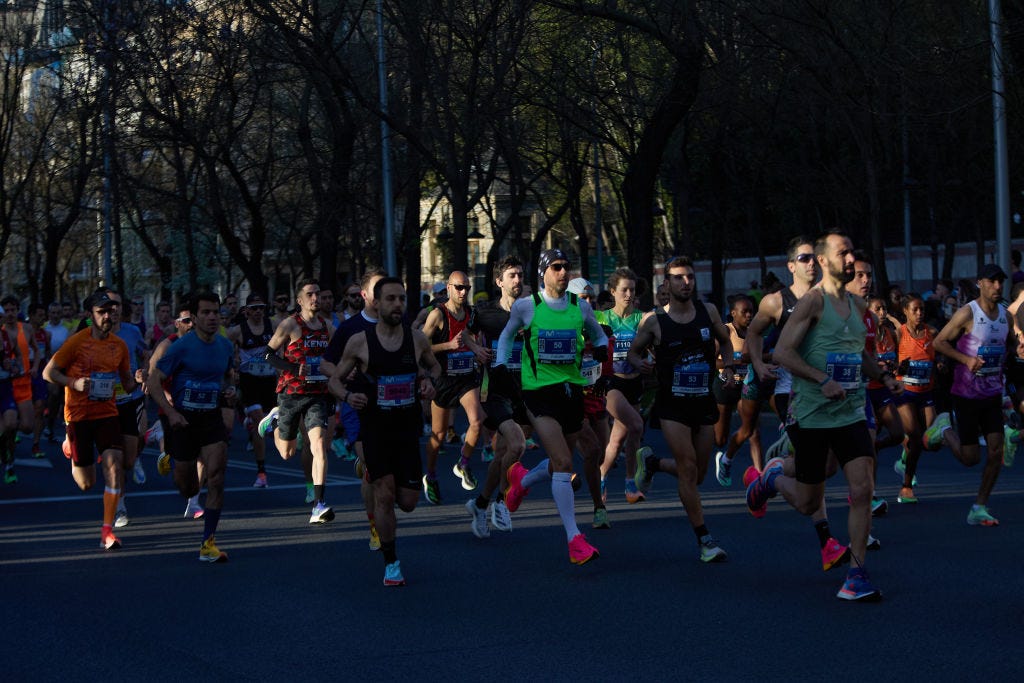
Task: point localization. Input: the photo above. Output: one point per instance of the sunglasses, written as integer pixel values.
(463, 288)
(559, 267)
(804, 258)
(184, 321)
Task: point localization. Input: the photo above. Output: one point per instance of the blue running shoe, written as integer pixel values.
(858, 587)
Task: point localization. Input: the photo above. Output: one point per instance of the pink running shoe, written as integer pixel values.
(580, 552)
(834, 554)
(515, 492)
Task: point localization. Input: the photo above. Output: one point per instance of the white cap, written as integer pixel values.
(578, 285)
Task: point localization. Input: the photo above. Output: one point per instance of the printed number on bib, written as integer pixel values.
(556, 347)
(396, 391)
(690, 379)
(460, 362)
(993, 357)
(844, 368)
(200, 395)
(101, 386)
(919, 372)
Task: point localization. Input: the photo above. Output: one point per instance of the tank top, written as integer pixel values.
(553, 350)
(685, 357)
(885, 352)
(394, 375)
(26, 352)
(460, 361)
(308, 349)
(835, 346)
(916, 360)
(624, 329)
(251, 359)
(986, 340)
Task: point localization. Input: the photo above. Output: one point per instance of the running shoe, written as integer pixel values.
(431, 490)
(501, 519)
(487, 453)
(465, 474)
(906, 495)
(108, 541)
(310, 496)
(780, 448)
(874, 543)
(1011, 439)
(933, 435)
(393, 574)
(757, 500)
(10, 476)
(633, 495)
(723, 470)
(479, 524)
(581, 552)
(450, 436)
(37, 451)
(155, 433)
(138, 473)
(193, 510)
(859, 587)
(515, 492)
(604, 492)
(878, 506)
(834, 554)
(321, 514)
(374, 537)
(268, 423)
(209, 552)
(709, 550)
(643, 476)
(163, 464)
(900, 467)
(531, 444)
(601, 519)
(339, 448)
(261, 481)
(121, 519)
(979, 516)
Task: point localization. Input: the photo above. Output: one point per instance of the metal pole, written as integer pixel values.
(598, 218)
(1002, 189)
(908, 257)
(107, 124)
(390, 261)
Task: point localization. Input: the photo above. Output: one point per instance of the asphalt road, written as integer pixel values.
(299, 601)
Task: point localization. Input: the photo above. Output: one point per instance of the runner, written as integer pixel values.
(916, 369)
(822, 345)
(199, 368)
(22, 335)
(302, 398)
(682, 337)
(163, 326)
(983, 334)
(58, 335)
(404, 366)
(457, 352)
(554, 322)
(742, 312)
(257, 381)
(88, 366)
(10, 366)
(40, 350)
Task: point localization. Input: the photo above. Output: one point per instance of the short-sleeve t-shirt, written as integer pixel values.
(197, 370)
(102, 361)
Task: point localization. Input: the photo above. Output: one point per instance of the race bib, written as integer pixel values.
(515, 359)
(396, 391)
(623, 340)
(459, 362)
(591, 370)
(101, 386)
(200, 395)
(844, 368)
(888, 358)
(556, 347)
(690, 379)
(993, 357)
(258, 367)
(313, 373)
(919, 373)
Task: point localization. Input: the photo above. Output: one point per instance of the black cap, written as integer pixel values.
(991, 271)
(546, 258)
(254, 298)
(101, 300)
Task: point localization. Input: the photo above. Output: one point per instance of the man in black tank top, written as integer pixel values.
(256, 379)
(683, 340)
(402, 366)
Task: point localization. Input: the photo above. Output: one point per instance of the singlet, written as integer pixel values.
(684, 359)
(835, 346)
(393, 374)
(624, 329)
(986, 340)
(26, 352)
(916, 359)
(460, 361)
(197, 369)
(251, 349)
(308, 349)
(489, 319)
(884, 350)
(553, 350)
(789, 300)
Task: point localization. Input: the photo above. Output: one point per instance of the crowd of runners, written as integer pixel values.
(849, 372)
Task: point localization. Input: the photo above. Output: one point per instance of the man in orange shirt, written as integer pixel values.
(88, 366)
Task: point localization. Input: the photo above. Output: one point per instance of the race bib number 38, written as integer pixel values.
(844, 368)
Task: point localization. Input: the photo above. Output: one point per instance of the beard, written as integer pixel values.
(681, 297)
(842, 274)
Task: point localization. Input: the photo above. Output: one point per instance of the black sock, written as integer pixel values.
(481, 503)
(388, 548)
(318, 492)
(700, 532)
(824, 533)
